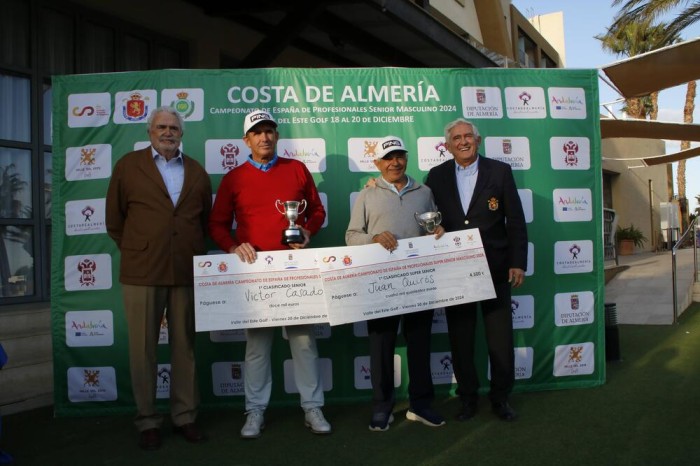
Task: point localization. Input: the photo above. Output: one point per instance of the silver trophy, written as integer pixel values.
(291, 210)
(428, 220)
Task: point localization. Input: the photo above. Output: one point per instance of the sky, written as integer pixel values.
(583, 19)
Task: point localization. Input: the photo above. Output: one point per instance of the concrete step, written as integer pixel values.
(25, 320)
(26, 382)
(28, 350)
(26, 387)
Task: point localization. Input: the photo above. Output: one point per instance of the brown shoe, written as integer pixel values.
(149, 439)
(190, 433)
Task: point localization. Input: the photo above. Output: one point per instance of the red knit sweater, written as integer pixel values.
(250, 194)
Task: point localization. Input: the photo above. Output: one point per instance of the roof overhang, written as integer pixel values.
(349, 33)
(656, 70)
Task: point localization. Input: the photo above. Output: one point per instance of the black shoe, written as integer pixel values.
(380, 421)
(149, 439)
(425, 415)
(504, 411)
(467, 411)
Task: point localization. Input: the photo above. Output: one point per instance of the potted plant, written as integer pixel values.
(628, 238)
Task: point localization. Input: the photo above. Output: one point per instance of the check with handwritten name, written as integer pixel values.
(279, 288)
(368, 282)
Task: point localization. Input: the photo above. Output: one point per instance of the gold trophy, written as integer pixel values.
(291, 210)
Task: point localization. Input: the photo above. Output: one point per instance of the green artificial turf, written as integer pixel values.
(645, 414)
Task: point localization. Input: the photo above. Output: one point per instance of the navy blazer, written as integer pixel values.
(495, 209)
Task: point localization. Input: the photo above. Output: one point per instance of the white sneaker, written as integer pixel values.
(254, 423)
(314, 419)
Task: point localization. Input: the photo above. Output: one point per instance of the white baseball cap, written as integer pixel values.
(388, 145)
(255, 117)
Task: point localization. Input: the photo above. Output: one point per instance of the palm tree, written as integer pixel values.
(633, 39)
(688, 110)
(649, 10)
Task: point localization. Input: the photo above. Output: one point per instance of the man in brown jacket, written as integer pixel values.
(158, 203)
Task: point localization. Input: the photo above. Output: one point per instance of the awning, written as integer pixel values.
(646, 129)
(656, 70)
(668, 158)
(660, 159)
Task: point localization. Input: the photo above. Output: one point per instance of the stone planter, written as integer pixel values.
(625, 247)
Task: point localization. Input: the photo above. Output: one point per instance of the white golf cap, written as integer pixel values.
(255, 117)
(388, 145)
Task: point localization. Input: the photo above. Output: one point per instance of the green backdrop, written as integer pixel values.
(542, 122)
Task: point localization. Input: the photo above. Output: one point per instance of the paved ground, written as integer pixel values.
(643, 292)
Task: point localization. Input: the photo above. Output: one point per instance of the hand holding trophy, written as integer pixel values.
(291, 210)
(428, 220)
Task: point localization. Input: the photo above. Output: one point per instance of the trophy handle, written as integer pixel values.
(277, 204)
(417, 218)
(438, 218)
(302, 204)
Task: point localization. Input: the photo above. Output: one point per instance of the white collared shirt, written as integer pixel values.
(466, 180)
(173, 173)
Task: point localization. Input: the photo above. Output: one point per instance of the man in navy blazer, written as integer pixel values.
(472, 191)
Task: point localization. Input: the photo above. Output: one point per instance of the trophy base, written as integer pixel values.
(292, 236)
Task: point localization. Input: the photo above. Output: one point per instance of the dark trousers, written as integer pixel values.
(498, 326)
(382, 342)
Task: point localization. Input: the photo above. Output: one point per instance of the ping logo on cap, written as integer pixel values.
(392, 143)
(260, 116)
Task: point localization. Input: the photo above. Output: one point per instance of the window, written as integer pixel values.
(14, 33)
(527, 50)
(546, 62)
(69, 40)
(15, 108)
(16, 238)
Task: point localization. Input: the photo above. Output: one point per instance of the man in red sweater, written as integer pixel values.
(249, 194)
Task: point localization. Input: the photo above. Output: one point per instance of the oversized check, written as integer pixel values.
(367, 282)
(279, 288)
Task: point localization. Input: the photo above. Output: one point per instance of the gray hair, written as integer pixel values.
(460, 121)
(166, 109)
